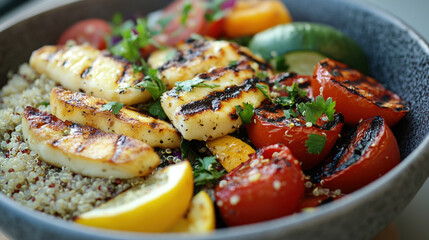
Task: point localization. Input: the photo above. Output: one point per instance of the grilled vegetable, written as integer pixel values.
(86, 110)
(306, 36)
(86, 69)
(84, 149)
(358, 97)
(201, 56)
(207, 110)
(230, 151)
(365, 154)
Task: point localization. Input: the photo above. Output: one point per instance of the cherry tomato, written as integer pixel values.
(364, 155)
(269, 185)
(358, 97)
(270, 126)
(213, 29)
(93, 31)
(176, 32)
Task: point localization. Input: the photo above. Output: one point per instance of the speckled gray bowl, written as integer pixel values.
(398, 57)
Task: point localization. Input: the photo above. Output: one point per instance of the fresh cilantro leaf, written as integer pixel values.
(264, 89)
(315, 143)
(151, 82)
(214, 10)
(186, 86)
(290, 113)
(113, 107)
(44, 104)
(245, 113)
(155, 109)
(206, 171)
(319, 106)
(262, 75)
(232, 63)
(187, 7)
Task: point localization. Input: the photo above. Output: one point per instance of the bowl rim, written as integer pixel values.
(414, 159)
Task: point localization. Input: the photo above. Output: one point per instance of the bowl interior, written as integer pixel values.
(398, 58)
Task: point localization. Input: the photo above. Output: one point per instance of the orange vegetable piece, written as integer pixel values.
(253, 16)
(230, 151)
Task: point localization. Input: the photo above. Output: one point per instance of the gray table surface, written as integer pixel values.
(413, 222)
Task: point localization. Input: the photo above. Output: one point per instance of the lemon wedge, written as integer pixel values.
(200, 218)
(153, 206)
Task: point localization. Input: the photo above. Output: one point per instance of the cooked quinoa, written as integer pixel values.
(28, 180)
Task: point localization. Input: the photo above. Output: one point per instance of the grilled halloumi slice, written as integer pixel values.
(86, 110)
(86, 150)
(200, 56)
(84, 68)
(210, 112)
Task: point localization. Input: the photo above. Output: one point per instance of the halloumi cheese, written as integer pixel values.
(86, 69)
(201, 56)
(86, 150)
(86, 110)
(210, 112)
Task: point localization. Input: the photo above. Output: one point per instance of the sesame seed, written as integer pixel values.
(234, 200)
(223, 183)
(219, 203)
(277, 185)
(308, 124)
(254, 177)
(308, 184)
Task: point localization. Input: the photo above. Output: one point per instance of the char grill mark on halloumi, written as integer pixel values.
(208, 113)
(201, 56)
(86, 150)
(86, 110)
(86, 69)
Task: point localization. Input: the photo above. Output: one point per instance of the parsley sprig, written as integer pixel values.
(315, 143)
(187, 86)
(214, 10)
(312, 111)
(206, 170)
(113, 107)
(245, 113)
(187, 7)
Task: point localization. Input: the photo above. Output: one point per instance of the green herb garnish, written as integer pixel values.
(155, 109)
(314, 110)
(187, 7)
(113, 107)
(206, 171)
(214, 10)
(315, 143)
(151, 82)
(44, 104)
(245, 113)
(264, 90)
(187, 86)
(232, 63)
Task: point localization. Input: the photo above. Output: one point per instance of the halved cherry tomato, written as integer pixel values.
(176, 32)
(358, 97)
(269, 185)
(366, 154)
(270, 126)
(93, 31)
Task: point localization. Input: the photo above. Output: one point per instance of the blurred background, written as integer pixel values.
(413, 222)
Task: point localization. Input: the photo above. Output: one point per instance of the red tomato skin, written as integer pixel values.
(245, 199)
(92, 31)
(355, 107)
(381, 156)
(173, 33)
(214, 29)
(263, 133)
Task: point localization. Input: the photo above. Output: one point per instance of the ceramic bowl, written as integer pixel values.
(398, 57)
